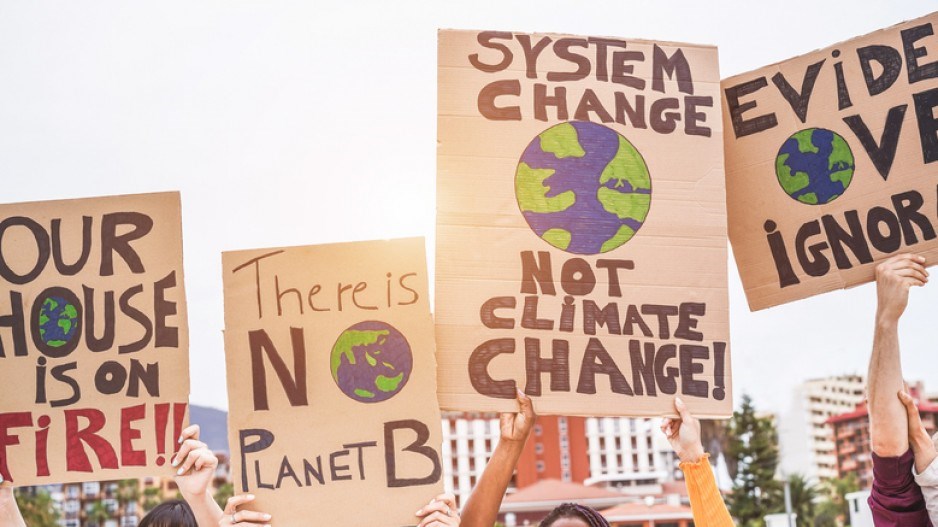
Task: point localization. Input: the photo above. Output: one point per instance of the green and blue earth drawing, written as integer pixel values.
(814, 166)
(583, 188)
(58, 321)
(371, 361)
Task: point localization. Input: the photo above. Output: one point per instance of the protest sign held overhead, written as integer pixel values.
(581, 225)
(94, 355)
(332, 381)
(830, 163)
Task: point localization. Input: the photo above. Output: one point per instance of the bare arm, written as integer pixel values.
(889, 423)
(481, 509)
(10, 515)
(922, 445)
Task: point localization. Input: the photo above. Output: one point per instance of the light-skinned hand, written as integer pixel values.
(684, 433)
(440, 512)
(894, 278)
(232, 517)
(195, 464)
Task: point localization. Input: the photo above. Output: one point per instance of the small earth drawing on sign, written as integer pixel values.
(371, 361)
(583, 188)
(58, 321)
(814, 166)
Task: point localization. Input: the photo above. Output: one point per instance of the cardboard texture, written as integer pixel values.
(829, 163)
(94, 342)
(331, 382)
(581, 225)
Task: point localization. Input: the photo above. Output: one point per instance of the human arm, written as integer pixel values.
(706, 502)
(195, 468)
(926, 457)
(888, 418)
(10, 515)
(921, 443)
(440, 512)
(481, 509)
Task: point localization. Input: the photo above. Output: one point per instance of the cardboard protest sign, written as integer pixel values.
(94, 358)
(829, 163)
(581, 228)
(331, 382)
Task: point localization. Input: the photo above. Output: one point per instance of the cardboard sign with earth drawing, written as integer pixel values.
(830, 163)
(581, 225)
(94, 345)
(332, 382)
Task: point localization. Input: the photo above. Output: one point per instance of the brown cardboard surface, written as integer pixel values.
(107, 397)
(827, 246)
(364, 304)
(678, 253)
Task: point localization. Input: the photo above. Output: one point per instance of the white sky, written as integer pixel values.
(287, 123)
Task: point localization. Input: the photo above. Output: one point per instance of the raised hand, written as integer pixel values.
(517, 426)
(894, 278)
(10, 515)
(195, 464)
(684, 433)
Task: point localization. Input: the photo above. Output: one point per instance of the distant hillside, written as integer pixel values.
(214, 425)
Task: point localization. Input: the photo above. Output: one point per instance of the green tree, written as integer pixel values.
(151, 498)
(128, 491)
(37, 508)
(223, 493)
(827, 515)
(803, 497)
(834, 510)
(753, 443)
(98, 513)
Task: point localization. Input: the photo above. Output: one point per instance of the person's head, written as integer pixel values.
(573, 515)
(174, 513)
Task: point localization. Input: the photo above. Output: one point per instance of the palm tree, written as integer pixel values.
(37, 508)
(803, 496)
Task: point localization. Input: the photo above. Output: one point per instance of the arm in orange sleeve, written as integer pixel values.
(706, 502)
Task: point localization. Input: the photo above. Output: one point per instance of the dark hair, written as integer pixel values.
(175, 513)
(572, 510)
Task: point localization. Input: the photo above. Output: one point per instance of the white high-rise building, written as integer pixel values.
(468, 443)
(807, 445)
(627, 452)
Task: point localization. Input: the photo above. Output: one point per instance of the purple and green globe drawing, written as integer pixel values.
(814, 166)
(58, 321)
(371, 361)
(583, 188)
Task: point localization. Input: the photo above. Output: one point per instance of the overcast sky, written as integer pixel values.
(288, 123)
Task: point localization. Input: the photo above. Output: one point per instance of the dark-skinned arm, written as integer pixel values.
(481, 509)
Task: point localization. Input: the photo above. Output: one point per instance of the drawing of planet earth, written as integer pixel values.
(583, 188)
(371, 361)
(58, 321)
(814, 166)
